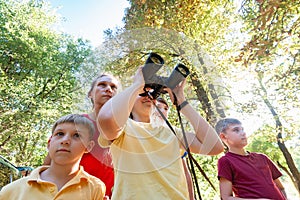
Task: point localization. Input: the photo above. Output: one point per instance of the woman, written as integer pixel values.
(98, 162)
(147, 158)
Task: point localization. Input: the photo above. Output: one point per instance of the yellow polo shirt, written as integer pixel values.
(147, 163)
(32, 187)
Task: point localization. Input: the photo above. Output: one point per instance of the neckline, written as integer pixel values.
(245, 155)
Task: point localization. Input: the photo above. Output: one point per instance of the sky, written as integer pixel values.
(89, 18)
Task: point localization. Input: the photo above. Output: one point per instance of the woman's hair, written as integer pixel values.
(77, 120)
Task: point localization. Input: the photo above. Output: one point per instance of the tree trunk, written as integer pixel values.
(212, 92)
(211, 88)
(289, 160)
(203, 98)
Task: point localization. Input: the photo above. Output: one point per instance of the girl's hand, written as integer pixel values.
(178, 91)
(138, 78)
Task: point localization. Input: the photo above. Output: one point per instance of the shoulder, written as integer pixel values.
(131, 122)
(85, 115)
(17, 185)
(224, 159)
(92, 179)
(131, 126)
(96, 185)
(91, 183)
(260, 155)
(256, 153)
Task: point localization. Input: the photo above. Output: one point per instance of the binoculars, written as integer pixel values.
(157, 83)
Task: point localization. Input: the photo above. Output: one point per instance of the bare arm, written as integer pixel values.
(280, 187)
(226, 191)
(205, 139)
(115, 112)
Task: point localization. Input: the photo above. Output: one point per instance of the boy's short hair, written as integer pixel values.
(77, 120)
(223, 124)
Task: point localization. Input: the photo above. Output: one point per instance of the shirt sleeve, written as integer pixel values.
(106, 143)
(273, 168)
(224, 169)
(103, 142)
(98, 190)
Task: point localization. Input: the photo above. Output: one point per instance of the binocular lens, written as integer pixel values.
(153, 63)
(155, 58)
(179, 73)
(183, 70)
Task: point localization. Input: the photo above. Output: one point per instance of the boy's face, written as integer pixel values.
(143, 104)
(69, 142)
(234, 136)
(163, 108)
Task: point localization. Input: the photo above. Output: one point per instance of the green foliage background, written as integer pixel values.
(38, 75)
(251, 70)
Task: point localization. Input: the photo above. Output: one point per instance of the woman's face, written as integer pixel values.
(104, 88)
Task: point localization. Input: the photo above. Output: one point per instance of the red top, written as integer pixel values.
(98, 162)
(251, 175)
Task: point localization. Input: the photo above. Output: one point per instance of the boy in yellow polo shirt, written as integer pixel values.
(63, 178)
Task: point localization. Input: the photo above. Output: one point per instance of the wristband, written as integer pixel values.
(184, 155)
(179, 107)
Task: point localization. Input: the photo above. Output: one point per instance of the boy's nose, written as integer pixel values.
(66, 139)
(243, 132)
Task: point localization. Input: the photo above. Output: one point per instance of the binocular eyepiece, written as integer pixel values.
(157, 83)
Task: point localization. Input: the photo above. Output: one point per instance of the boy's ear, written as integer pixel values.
(222, 136)
(48, 142)
(90, 146)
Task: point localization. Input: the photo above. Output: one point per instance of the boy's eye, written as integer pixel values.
(59, 133)
(76, 135)
(238, 130)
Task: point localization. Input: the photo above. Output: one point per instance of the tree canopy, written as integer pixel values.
(38, 78)
(243, 57)
(253, 46)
